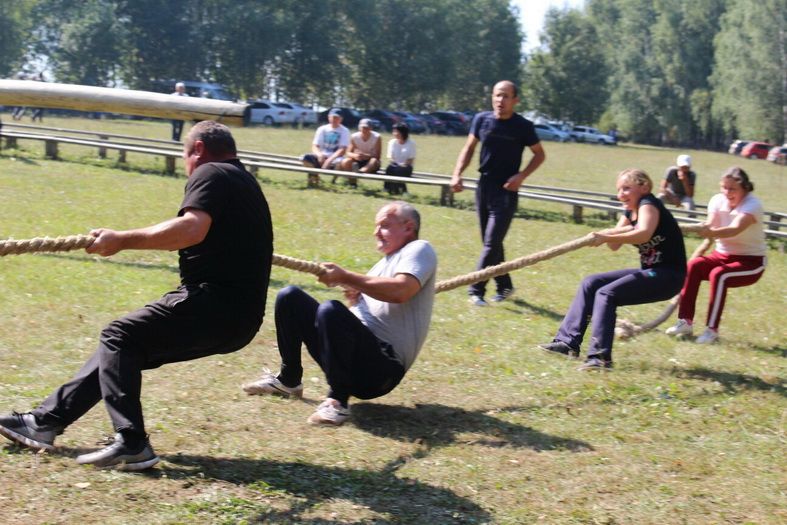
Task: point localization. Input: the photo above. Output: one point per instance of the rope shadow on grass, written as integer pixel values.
(173, 268)
(312, 486)
(733, 382)
(436, 426)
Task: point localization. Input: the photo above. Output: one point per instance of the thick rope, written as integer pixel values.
(75, 242)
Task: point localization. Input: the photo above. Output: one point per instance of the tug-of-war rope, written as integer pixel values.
(624, 329)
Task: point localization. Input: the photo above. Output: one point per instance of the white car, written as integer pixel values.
(549, 132)
(588, 134)
(302, 116)
(269, 113)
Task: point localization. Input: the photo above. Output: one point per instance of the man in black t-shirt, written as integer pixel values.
(225, 240)
(504, 135)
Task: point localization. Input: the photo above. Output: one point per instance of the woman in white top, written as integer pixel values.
(735, 221)
(401, 153)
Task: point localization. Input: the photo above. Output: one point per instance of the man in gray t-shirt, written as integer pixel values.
(365, 349)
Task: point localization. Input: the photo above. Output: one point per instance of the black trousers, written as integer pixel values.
(177, 129)
(495, 206)
(354, 361)
(188, 323)
(397, 188)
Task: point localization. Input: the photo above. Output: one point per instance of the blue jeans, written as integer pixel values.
(495, 206)
(354, 361)
(600, 294)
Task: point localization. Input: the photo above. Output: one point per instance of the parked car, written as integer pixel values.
(415, 124)
(350, 116)
(588, 134)
(547, 132)
(455, 122)
(386, 118)
(268, 113)
(778, 154)
(736, 147)
(303, 116)
(756, 150)
(433, 124)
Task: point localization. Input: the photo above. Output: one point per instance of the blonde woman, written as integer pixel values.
(647, 224)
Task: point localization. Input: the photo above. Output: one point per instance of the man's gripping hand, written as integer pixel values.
(107, 242)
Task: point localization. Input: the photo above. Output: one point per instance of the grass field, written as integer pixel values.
(484, 428)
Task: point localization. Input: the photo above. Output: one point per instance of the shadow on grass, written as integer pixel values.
(538, 310)
(438, 425)
(397, 500)
(733, 382)
(773, 350)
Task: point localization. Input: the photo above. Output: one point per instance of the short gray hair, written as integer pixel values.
(407, 212)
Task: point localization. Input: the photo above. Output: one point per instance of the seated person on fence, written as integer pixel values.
(677, 186)
(363, 153)
(225, 239)
(401, 153)
(735, 220)
(647, 224)
(328, 147)
(365, 350)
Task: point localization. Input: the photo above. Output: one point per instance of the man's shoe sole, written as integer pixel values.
(24, 440)
(134, 467)
(253, 390)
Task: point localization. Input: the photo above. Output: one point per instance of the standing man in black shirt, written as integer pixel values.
(503, 135)
(225, 240)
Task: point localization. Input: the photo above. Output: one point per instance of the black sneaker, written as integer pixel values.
(559, 347)
(119, 456)
(595, 363)
(23, 429)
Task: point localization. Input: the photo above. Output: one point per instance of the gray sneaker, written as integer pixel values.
(23, 429)
(118, 456)
(503, 295)
(270, 384)
(477, 300)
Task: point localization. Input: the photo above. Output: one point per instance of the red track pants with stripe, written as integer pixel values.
(722, 271)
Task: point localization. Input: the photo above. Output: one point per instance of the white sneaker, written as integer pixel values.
(330, 412)
(270, 384)
(708, 337)
(477, 300)
(682, 327)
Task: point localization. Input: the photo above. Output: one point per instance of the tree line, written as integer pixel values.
(666, 71)
(659, 71)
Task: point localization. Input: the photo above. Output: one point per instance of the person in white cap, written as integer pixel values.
(363, 153)
(677, 186)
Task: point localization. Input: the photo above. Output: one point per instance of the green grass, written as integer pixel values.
(484, 429)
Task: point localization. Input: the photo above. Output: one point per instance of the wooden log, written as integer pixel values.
(125, 101)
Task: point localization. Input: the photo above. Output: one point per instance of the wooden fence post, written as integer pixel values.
(50, 149)
(102, 151)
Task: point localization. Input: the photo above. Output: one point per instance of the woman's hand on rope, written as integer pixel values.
(599, 238)
(106, 243)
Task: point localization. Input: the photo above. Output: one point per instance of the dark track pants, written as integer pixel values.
(185, 324)
(354, 361)
(600, 294)
(495, 207)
